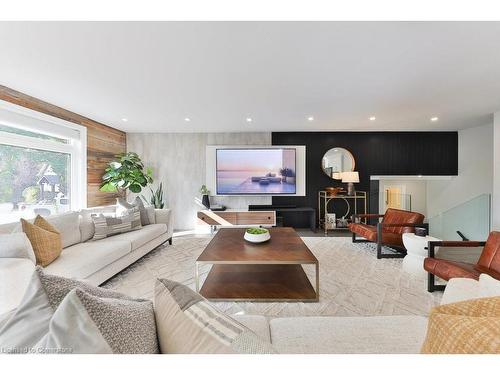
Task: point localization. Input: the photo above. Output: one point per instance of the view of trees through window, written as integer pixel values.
(33, 182)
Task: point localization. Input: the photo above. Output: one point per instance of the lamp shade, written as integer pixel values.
(337, 175)
(350, 177)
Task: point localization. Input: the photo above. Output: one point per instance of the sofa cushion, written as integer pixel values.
(15, 274)
(349, 335)
(187, 324)
(467, 327)
(460, 289)
(84, 259)
(45, 240)
(87, 224)
(111, 226)
(85, 323)
(68, 225)
(255, 323)
(30, 321)
(16, 245)
(139, 237)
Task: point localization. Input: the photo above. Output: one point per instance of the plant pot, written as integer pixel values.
(257, 238)
(205, 201)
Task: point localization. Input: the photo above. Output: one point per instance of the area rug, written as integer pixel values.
(353, 282)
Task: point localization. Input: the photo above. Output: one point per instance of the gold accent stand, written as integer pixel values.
(324, 197)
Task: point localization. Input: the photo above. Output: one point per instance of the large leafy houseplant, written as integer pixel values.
(126, 172)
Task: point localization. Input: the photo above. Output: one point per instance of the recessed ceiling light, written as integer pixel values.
(434, 119)
(372, 118)
(249, 119)
(124, 119)
(187, 119)
(310, 118)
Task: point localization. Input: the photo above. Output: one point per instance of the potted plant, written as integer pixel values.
(156, 199)
(204, 196)
(126, 172)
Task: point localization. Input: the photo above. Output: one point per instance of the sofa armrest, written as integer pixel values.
(164, 216)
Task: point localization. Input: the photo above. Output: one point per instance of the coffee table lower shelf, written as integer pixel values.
(259, 283)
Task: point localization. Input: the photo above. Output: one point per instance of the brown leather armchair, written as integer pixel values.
(489, 261)
(389, 231)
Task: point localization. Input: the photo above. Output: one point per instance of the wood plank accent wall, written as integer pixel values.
(103, 142)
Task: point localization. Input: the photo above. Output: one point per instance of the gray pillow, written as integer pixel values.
(84, 323)
(122, 205)
(30, 321)
(111, 226)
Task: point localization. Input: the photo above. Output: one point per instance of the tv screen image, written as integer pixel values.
(255, 171)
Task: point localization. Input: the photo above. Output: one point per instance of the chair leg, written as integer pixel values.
(379, 250)
(430, 283)
(170, 241)
(353, 237)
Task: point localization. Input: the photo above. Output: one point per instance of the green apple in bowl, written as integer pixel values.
(257, 235)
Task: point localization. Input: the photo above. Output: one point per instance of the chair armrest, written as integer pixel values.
(368, 215)
(433, 244)
(164, 216)
(424, 225)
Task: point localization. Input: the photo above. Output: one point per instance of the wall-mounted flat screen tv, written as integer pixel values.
(259, 171)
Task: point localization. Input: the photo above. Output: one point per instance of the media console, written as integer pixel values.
(289, 215)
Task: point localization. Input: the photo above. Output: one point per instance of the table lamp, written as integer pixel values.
(351, 178)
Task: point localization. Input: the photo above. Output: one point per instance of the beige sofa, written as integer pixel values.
(81, 258)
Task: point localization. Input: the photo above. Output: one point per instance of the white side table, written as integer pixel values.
(415, 246)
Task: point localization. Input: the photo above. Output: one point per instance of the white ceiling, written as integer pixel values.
(155, 74)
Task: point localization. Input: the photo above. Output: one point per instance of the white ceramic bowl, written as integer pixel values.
(257, 238)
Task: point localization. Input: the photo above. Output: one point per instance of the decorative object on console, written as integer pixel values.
(205, 200)
(257, 235)
(334, 190)
(351, 178)
(127, 172)
(45, 240)
(156, 199)
(336, 161)
(330, 221)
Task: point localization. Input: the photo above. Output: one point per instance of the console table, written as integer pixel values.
(231, 218)
(324, 197)
(291, 211)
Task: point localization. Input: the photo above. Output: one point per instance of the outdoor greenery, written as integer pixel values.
(126, 172)
(21, 169)
(156, 199)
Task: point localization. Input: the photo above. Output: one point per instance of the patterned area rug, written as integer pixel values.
(353, 282)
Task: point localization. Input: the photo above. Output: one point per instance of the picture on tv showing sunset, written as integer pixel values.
(256, 171)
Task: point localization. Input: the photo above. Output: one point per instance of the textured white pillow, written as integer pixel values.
(16, 245)
(488, 286)
(68, 225)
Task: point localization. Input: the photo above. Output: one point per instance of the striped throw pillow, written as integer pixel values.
(110, 226)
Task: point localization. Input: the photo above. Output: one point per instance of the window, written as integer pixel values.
(42, 164)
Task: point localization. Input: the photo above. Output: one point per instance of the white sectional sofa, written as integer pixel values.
(81, 258)
(318, 335)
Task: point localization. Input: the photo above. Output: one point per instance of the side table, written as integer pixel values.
(416, 248)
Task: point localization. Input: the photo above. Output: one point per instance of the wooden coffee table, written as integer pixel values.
(269, 271)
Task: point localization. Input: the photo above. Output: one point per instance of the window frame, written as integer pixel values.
(76, 147)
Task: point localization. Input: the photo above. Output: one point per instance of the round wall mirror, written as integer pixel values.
(337, 160)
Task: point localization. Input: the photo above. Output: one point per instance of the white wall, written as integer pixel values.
(416, 188)
(475, 167)
(496, 172)
(178, 159)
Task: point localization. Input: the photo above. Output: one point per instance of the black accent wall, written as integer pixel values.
(376, 153)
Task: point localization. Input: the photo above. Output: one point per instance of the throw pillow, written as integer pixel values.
(187, 323)
(30, 321)
(468, 327)
(488, 286)
(110, 226)
(151, 214)
(122, 206)
(44, 238)
(16, 245)
(84, 323)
